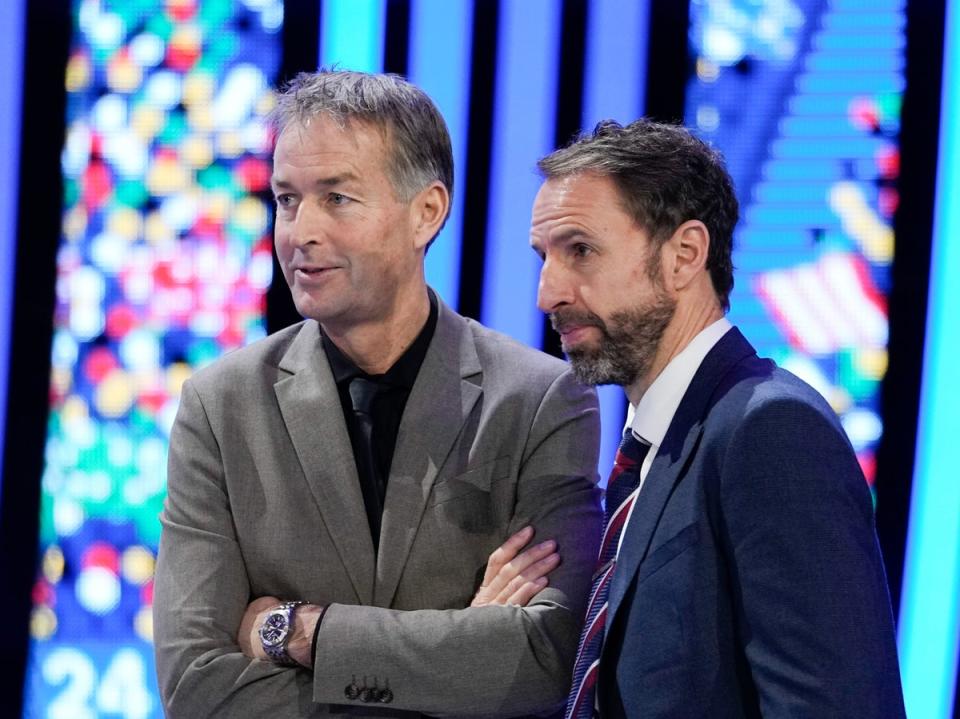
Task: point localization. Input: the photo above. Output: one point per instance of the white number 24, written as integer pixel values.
(122, 690)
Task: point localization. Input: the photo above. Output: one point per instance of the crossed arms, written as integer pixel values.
(510, 652)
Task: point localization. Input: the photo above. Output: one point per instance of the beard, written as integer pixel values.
(628, 343)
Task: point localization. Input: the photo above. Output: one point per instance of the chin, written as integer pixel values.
(582, 349)
(313, 311)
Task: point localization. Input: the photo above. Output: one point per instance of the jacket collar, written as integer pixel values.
(679, 445)
(311, 410)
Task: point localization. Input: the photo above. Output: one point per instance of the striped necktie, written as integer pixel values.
(624, 479)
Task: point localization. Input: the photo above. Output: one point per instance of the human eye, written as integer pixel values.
(283, 199)
(581, 249)
(338, 199)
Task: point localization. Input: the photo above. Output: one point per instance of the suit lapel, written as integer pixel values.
(669, 466)
(447, 388)
(313, 416)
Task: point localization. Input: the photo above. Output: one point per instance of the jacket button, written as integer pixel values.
(351, 691)
(386, 696)
(367, 695)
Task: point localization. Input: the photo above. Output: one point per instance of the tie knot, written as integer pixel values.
(363, 392)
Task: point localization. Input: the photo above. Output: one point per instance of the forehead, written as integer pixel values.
(322, 139)
(583, 197)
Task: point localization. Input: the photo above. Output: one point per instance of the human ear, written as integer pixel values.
(689, 246)
(429, 210)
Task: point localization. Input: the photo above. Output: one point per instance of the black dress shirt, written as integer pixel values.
(387, 408)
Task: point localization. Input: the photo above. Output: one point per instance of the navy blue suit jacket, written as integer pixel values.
(750, 581)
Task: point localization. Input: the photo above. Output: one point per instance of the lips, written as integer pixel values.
(573, 334)
(313, 273)
(567, 325)
(574, 326)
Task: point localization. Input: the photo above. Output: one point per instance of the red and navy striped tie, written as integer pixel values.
(624, 479)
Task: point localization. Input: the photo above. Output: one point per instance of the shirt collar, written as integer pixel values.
(404, 371)
(653, 414)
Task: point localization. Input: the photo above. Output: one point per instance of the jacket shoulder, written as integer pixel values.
(757, 392)
(257, 361)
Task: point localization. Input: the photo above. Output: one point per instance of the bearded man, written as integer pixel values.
(739, 574)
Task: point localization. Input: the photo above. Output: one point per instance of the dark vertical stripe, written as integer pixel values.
(396, 39)
(301, 48)
(668, 60)
(570, 61)
(910, 275)
(38, 234)
(477, 195)
(301, 37)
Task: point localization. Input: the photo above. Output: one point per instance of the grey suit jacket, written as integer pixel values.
(263, 499)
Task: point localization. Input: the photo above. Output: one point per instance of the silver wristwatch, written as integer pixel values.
(275, 633)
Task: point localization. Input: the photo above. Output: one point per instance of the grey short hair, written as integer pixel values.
(414, 132)
(665, 176)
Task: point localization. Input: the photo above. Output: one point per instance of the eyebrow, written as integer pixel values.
(567, 235)
(322, 182)
(562, 238)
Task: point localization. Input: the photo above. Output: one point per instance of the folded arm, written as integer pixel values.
(492, 659)
(480, 659)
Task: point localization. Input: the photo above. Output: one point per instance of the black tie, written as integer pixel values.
(363, 393)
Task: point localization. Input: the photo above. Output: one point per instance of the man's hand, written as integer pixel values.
(513, 577)
(300, 644)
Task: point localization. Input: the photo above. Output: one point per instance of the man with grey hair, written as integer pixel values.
(351, 501)
(739, 573)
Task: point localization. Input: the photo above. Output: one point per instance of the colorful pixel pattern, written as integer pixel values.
(163, 265)
(803, 98)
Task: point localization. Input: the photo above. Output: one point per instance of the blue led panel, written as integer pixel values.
(615, 75)
(439, 63)
(11, 80)
(803, 98)
(163, 264)
(524, 111)
(351, 34)
(615, 66)
(928, 632)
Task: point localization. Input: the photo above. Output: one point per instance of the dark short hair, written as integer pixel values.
(415, 134)
(665, 176)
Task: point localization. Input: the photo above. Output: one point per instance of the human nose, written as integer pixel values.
(554, 289)
(306, 227)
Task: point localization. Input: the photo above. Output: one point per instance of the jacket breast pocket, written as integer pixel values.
(668, 551)
(475, 483)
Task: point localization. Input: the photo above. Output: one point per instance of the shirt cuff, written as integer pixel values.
(316, 634)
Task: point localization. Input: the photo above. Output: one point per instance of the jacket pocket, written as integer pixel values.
(668, 551)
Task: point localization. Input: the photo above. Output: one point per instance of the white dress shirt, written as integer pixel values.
(650, 419)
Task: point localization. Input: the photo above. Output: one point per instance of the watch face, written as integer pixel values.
(274, 629)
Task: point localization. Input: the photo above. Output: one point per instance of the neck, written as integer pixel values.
(375, 346)
(688, 321)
